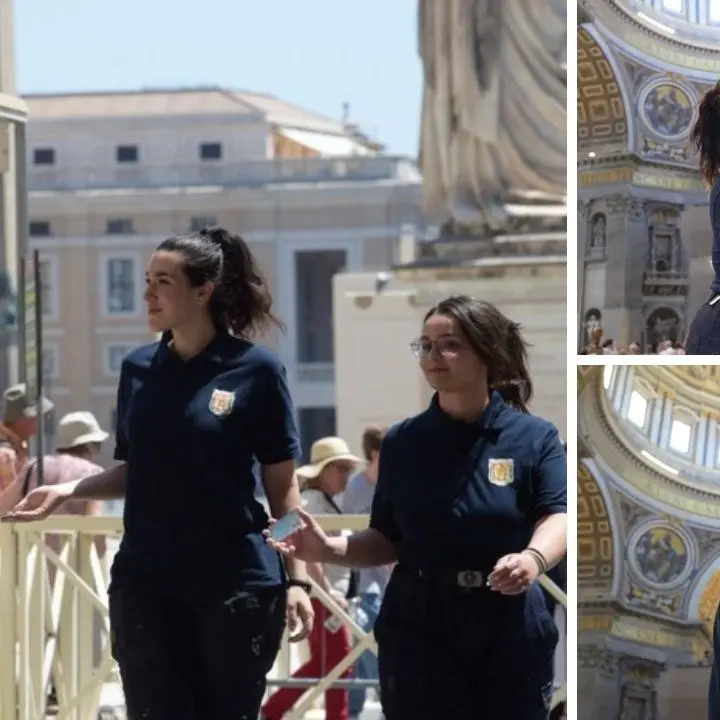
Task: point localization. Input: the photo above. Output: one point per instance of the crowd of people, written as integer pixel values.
(610, 347)
(467, 504)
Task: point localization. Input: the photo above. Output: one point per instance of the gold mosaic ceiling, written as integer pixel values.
(595, 543)
(601, 112)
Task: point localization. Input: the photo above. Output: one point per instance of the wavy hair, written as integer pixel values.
(497, 342)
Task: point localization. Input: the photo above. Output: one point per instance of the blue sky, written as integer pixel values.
(316, 53)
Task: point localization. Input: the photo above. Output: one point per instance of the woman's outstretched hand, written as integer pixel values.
(39, 503)
(310, 543)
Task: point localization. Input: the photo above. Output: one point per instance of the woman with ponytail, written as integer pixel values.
(470, 502)
(198, 600)
(704, 334)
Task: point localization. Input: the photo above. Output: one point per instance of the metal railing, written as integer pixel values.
(55, 626)
(224, 174)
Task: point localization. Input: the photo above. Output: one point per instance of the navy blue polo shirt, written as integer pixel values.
(458, 495)
(191, 433)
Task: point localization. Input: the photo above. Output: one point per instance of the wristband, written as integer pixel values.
(302, 584)
(539, 559)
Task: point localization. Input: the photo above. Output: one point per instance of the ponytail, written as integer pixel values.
(705, 134)
(242, 301)
(517, 389)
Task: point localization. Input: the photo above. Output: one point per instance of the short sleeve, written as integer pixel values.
(550, 478)
(382, 516)
(122, 449)
(274, 433)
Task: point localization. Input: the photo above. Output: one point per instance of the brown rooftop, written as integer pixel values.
(174, 102)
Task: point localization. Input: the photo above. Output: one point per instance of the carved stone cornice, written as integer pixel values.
(616, 17)
(591, 657)
(633, 208)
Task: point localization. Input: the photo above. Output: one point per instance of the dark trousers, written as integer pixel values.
(704, 334)
(182, 663)
(447, 651)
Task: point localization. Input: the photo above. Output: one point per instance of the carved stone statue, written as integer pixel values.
(494, 108)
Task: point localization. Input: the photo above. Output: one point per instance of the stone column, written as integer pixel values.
(627, 247)
(583, 224)
(598, 677)
(615, 686)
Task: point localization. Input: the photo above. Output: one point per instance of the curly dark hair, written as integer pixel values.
(241, 301)
(497, 341)
(705, 134)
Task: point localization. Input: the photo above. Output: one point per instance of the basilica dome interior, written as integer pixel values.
(643, 227)
(648, 538)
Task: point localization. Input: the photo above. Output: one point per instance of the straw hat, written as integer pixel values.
(79, 428)
(323, 452)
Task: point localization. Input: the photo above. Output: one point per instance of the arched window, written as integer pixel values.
(680, 433)
(637, 410)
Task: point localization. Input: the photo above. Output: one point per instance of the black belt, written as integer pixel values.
(467, 579)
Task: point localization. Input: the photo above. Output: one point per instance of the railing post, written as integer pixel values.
(8, 624)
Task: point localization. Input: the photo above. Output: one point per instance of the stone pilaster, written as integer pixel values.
(615, 686)
(627, 245)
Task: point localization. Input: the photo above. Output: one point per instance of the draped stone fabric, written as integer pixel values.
(494, 112)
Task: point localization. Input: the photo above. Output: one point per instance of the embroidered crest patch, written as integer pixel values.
(501, 472)
(221, 403)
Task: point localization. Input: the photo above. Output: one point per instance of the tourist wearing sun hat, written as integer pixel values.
(322, 479)
(18, 424)
(323, 452)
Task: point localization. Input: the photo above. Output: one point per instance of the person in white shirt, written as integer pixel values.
(321, 481)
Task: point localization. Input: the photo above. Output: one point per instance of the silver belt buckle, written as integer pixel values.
(715, 299)
(470, 579)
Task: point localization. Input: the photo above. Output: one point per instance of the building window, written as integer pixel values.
(211, 151)
(315, 423)
(714, 12)
(39, 228)
(201, 222)
(314, 272)
(49, 287)
(637, 409)
(51, 362)
(680, 433)
(44, 156)
(114, 356)
(119, 226)
(126, 153)
(121, 288)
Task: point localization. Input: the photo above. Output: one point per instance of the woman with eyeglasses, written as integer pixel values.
(471, 503)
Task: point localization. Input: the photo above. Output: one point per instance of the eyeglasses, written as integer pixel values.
(447, 347)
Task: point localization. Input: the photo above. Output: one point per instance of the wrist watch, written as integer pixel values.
(302, 584)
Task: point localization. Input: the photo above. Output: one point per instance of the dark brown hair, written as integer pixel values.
(372, 440)
(241, 301)
(705, 134)
(497, 342)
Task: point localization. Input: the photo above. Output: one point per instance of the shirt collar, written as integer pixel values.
(490, 417)
(216, 350)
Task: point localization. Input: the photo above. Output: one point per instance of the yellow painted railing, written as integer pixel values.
(54, 620)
